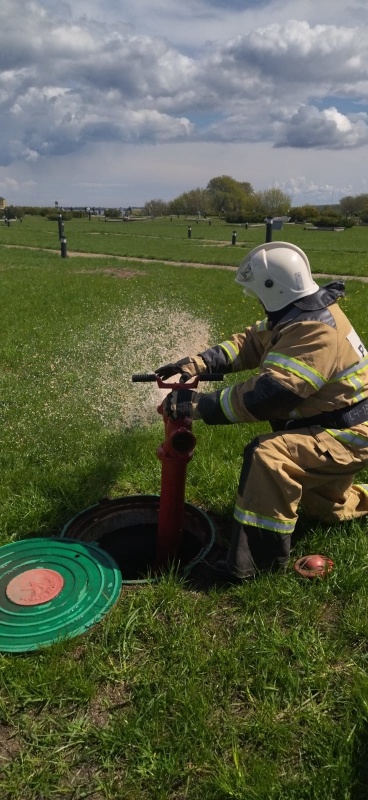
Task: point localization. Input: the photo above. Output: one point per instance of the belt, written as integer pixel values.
(342, 418)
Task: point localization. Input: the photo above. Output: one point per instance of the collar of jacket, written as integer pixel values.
(322, 298)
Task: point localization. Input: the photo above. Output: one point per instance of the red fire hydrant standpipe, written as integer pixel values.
(174, 453)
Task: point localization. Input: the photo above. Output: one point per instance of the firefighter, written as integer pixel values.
(310, 384)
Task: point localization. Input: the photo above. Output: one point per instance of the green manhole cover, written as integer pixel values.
(53, 589)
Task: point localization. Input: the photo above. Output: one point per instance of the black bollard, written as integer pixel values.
(269, 224)
(60, 226)
(233, 238)
(63, 248)
(189, 233)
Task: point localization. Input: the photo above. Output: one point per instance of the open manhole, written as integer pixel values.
(126, 528)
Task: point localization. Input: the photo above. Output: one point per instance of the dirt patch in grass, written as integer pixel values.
(116, 273)
(114, 697)
(9, 745)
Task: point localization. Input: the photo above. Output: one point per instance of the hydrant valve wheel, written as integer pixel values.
(314, 566)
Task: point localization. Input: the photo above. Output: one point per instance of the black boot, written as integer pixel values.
(225, 574)
(253, 549)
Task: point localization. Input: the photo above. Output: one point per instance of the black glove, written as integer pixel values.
(167, 370)
(181, 403)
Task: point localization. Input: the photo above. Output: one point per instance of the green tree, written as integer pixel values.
(155, 208)
(228, 195)
(114, 213)
(354, 206)
(272, 202)
(248, 188)
(304, 213)
(190, 202)
(10, 212)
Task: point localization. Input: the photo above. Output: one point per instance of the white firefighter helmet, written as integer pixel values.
(278, 273)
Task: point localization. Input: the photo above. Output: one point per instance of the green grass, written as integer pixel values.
(257, 692)
(161, 239)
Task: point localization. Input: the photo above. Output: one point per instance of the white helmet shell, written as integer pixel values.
(278, 273)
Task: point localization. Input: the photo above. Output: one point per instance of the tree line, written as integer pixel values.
(235, 201)
(225, 197)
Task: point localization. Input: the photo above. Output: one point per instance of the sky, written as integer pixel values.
(114, 103)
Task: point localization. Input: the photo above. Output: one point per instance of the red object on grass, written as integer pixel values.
(314, 566)
(174, 453)
(34, 586)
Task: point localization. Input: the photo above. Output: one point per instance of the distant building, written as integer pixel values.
(2, 202)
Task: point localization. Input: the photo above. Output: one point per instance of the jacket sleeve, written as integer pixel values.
(299, 364)
(241, 351)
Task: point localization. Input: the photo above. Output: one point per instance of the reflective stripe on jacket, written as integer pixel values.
(311, 363)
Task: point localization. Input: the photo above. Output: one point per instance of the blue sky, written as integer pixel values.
(108, 102)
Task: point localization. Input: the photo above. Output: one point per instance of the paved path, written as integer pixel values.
(76, 254)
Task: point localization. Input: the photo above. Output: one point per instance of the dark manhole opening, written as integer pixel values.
(134, 549)
(127, 527)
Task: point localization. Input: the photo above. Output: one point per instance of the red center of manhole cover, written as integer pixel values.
(34, 586)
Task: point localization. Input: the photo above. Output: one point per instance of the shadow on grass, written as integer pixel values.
(360, 766)
(126, 459)
(62, 491)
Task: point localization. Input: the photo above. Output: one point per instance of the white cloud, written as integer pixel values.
(327, 129)
(307, 191)
(30, 155)
(114, 175)
(287, 74)
(14, 186)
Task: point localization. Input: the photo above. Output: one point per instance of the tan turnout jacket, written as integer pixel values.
(309, 362)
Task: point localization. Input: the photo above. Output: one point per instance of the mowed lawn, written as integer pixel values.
(343, 253)
(258, 691)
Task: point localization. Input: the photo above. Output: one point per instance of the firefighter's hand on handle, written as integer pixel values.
(153, 377)
(168, 370)
(181, 403)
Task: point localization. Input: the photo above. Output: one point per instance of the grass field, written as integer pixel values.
(259, 692)
(343, 253)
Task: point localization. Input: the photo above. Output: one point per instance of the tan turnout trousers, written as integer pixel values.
(282, 472)
(307, 467)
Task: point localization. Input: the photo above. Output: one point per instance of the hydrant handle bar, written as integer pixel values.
(144, 377)
(189, 384)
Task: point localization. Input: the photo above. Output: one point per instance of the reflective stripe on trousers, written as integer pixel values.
(309, 467)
